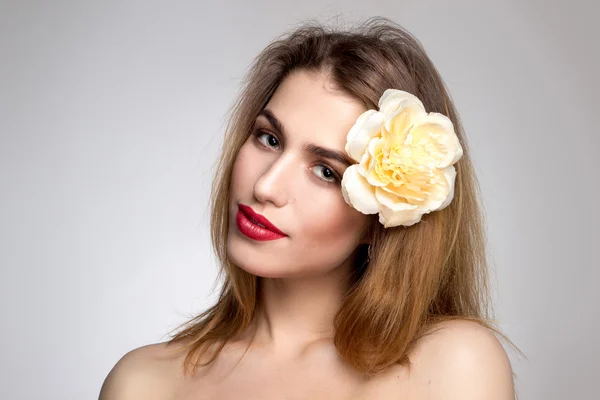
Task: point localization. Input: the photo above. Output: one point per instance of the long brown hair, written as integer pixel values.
(410, 278)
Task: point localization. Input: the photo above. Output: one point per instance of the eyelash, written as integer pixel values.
(259, 132)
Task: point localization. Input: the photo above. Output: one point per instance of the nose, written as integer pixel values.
(274, 184)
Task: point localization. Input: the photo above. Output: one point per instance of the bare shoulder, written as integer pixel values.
(462, 360)
(143, 373)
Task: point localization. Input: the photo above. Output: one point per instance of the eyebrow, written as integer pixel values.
(339, 156)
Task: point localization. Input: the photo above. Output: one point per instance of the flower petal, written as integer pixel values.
(393, 101)
(399, 122)
(391, 201)
(391, 218)
(358, 193)
(369, 167)
(367, 126)
(434, 134)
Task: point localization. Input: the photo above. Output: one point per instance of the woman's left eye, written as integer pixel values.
(329, 175)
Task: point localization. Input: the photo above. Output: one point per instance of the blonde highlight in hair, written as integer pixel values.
(409, 279)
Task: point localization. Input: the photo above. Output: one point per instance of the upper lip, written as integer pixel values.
(255, 217)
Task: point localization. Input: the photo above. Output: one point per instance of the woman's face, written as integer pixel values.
(281, 176)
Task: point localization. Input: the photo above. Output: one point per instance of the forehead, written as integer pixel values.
(312, 111)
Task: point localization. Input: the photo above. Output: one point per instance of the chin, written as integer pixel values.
(261, 270)
(260, 266)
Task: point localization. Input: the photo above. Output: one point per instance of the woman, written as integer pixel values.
(346, 221)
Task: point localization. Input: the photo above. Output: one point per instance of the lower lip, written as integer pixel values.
(253, 231)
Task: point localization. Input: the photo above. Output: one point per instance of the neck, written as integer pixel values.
(296, 312)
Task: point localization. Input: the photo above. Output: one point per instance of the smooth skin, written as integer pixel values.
(304, 276)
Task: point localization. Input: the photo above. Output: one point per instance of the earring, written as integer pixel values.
(368, 254)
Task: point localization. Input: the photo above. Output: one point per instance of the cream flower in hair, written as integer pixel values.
(405, 160)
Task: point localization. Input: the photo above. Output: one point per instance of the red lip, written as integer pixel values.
(257, 218)
(247, 221)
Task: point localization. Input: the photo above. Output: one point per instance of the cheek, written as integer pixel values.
(332, 222)
(330, 232)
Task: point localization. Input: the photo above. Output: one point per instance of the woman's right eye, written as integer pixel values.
(270, 141)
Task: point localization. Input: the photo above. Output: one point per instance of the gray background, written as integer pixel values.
(111, 114)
